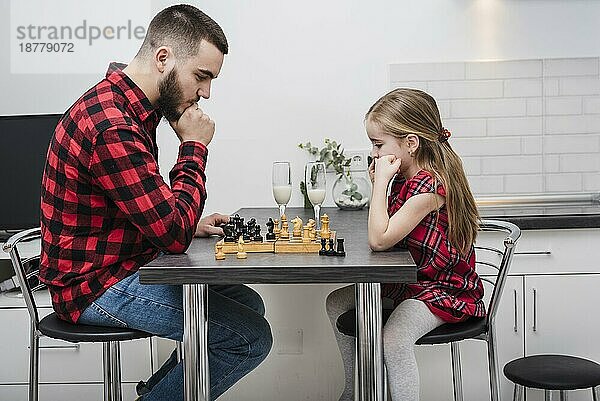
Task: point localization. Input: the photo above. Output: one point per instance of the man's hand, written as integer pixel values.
(194, 125)
(208, 225)
(386, 167)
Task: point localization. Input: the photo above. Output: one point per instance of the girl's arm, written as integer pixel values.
(385, 232)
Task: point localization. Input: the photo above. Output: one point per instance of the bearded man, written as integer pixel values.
(106, 210)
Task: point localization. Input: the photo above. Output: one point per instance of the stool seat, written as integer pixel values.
(54, 327)
(443, 334)
(553, 372)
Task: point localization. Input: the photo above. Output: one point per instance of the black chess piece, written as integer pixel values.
(331, 250)
(251, 224)
(270, 227)
(229, 230)
(340, 248)
(245, 234)
(257, 237)
(323, 250)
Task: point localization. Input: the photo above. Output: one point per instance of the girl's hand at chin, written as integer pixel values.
(386, 167)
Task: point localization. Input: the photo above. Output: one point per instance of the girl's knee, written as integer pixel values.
(342, 298)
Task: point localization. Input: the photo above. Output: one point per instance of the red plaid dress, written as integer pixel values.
(446, 282)
(106, 210)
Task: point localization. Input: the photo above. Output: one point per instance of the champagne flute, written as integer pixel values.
(282, 185)
(314, 177)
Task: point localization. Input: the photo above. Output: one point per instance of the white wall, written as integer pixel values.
(306, 70)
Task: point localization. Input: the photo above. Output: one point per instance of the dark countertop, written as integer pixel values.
(544, 217)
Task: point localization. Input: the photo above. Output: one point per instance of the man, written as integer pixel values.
(106, 211)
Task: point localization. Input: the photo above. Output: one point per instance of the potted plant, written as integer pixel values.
(349, 191)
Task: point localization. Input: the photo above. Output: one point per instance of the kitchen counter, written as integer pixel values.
(541, 212)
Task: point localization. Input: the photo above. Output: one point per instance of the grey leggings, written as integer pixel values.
(408, 322)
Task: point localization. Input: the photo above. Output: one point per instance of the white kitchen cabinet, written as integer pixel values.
(561, 318)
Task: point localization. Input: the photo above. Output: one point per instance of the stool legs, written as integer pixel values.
(112, 371)
(34, 357)
(595, 394)
(456, 371)
(518, 393)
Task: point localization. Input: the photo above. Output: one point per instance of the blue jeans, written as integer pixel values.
(239, 337)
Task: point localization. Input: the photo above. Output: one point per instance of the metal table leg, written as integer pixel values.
(369, 344)
(196, 375)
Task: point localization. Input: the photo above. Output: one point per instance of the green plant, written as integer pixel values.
(332, 154)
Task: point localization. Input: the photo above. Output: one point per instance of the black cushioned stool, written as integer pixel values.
(553, 373)
(27, 270)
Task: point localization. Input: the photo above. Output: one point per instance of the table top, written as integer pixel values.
(360, 265)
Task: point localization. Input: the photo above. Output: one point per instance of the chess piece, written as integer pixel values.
(229, 230)
(313, 230)
(219, 255)
(257, 237)
(340, 248)
(251, 224)
(241, 254)
(306, 234)
(277, 229)
(270, 226)
(331, 250)
(325, 233)
(323, 250)
(284, 234)
(246, 234)
(297, 231)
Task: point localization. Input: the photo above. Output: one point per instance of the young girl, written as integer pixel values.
(430, 210)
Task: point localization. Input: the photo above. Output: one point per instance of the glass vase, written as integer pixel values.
(351, 191)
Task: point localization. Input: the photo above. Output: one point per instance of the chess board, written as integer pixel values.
(302, 239)
(277, 246)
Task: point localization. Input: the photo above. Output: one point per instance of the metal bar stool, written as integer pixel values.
(26, 271)
(474, 328)
(553, 373)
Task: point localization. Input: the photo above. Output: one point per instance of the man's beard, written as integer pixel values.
(170, 96)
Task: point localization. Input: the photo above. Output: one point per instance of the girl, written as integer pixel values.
(430, 210)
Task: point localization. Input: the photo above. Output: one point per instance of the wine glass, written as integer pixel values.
(282, 185)
(314, 177)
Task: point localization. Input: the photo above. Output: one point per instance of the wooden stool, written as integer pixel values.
(553, 373)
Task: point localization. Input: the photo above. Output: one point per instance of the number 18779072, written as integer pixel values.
(47, 47)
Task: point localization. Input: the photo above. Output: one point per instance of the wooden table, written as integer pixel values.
(197, 268)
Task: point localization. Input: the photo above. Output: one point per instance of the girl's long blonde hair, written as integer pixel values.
(411, 111)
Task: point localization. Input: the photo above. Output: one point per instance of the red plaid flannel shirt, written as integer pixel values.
(106, 210)
(446, 281)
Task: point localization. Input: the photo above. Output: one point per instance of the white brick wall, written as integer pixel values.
(521, 126)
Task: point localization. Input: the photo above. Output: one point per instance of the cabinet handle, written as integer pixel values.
(534, 253)
(534, 310)
(516, 317)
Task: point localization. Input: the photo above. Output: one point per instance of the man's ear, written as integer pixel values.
(161, 57)
(412, 141)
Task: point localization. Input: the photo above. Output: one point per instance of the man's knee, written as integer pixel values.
(263, 339)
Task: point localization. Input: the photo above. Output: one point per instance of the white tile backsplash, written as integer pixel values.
(514, 126)
(563, 105)
(523, 87)
(563, 67)
(579, 86)
(521, 126)
(591, 105)
(504, 69)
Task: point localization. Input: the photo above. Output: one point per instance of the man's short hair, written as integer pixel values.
(183, 27)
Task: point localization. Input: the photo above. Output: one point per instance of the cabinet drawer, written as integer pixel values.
(63, 392)
(62, 361)
(552, 251)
